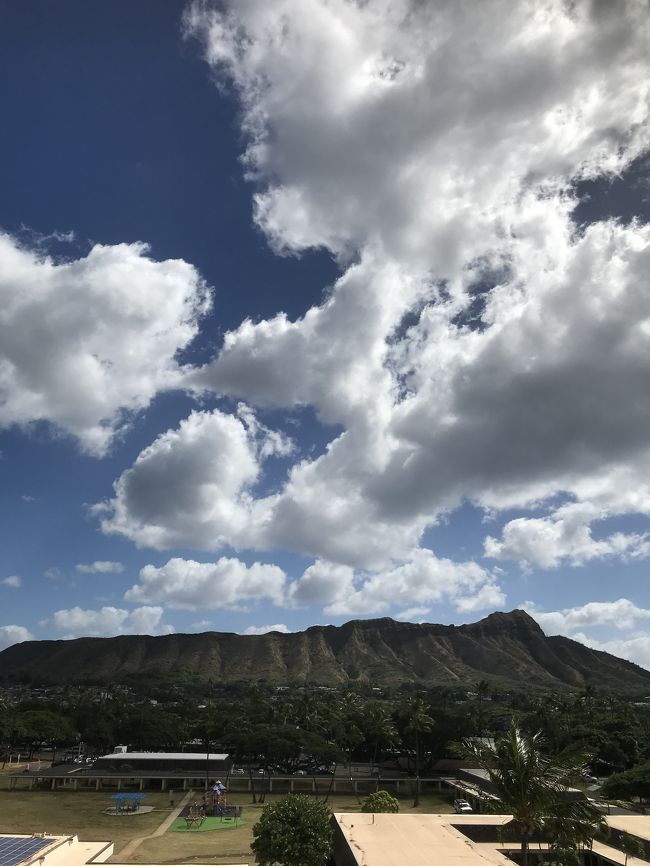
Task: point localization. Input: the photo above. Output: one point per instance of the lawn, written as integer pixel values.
(233, 845)
(81, 812)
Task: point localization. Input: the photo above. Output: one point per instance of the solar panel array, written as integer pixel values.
(17, 849)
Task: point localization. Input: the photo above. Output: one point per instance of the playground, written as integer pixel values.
(162, 835)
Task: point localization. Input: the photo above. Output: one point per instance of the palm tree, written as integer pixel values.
(631, 846)
(417, 721)
(379, 731)
(533, 786)
(482, 691)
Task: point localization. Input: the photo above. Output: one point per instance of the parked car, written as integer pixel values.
(300, 773)
(238, 771)
(462, 807)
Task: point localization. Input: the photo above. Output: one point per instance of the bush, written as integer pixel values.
(380, 801)
(295, 831)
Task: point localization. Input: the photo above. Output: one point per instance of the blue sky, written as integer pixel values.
(313, 311)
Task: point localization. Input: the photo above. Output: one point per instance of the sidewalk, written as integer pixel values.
(134, 844)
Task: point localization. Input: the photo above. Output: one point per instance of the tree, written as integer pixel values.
(482, 692)
(534, 786)
(380, 801)
(417, 721)
(44, 726)
(379, 729)
(631, 846)
(632, 783)
(294, 831)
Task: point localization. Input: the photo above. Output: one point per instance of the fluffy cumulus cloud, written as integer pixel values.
(100, 566)
(478, 346)
(11, 634)
(207, 468)
(107, 622)
(421, 123)
(321, 583)
(422, 580)
(227, 583)
(564, 536)
(85, 343)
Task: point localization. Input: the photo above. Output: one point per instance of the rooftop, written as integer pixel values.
(163, 756)
(17, 850)
(377, 839)
(636, 825)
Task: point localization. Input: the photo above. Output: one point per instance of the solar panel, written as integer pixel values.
(17, 849)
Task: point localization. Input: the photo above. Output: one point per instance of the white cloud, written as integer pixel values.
(100, 566)
(11, 634)
(477, 348)
(565, 535)
(206, 468)
(635, 649)
(422, 580)
(416, 614)
(107, 622)
(85, 343)
(322, 583)
(622, 614)
(13, 581)
(421, 123)
(489, 595)
(183, 583)
(265, 629)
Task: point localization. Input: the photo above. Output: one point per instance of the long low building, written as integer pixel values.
(201, 762)
(383, 839)
(380, 839)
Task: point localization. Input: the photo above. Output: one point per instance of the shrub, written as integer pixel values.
(380, 801)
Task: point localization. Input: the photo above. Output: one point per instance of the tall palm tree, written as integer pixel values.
(379, 730)
(417, 721)
(482, 691)
(533, 786)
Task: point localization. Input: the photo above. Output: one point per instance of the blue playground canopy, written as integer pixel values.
(128, 802)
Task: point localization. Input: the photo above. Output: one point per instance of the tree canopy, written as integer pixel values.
(632, 783)
(533, 786)
(380, 801)
(294, 831)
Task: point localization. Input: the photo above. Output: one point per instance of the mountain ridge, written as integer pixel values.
(503, 648)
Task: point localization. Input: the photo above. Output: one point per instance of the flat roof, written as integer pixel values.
(635, 825)
(158, 756)
(22, 849)
(385, 839)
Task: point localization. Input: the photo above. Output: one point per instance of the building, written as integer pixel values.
(145, 769)
(363, 839)
(44, 850)
(47, 850)
(175, 762)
